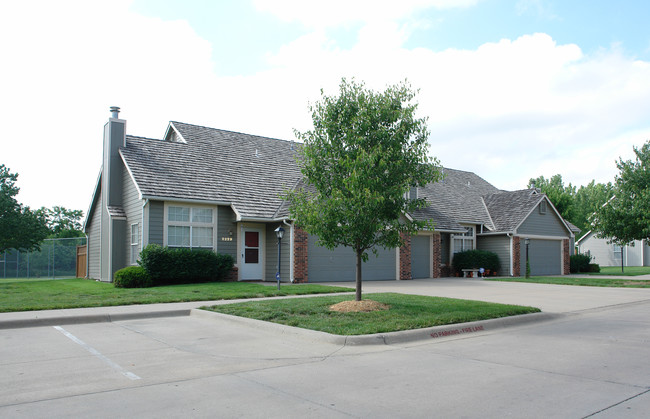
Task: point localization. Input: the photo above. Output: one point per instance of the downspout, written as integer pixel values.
(142, 240)
(291, 253)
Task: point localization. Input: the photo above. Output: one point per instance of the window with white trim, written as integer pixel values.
(617, 250)
(135, 243)
(191, 227)
(465, 241)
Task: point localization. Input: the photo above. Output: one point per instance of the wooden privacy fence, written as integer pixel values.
(82, 255)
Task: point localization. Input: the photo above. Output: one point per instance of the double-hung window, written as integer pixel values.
(190, 227)
(135, 243)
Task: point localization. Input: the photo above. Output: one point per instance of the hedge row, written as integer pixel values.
(166, 266)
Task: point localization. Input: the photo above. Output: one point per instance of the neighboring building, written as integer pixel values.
(201, 187)
(610, 254)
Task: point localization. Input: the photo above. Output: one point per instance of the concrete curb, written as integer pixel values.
(88, 318)
(390, 338)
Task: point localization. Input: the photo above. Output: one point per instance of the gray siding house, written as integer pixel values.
(201, 187)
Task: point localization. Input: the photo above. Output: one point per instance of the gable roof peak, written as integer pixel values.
(172, 134)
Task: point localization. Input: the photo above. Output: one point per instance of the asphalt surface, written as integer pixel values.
(586, 355)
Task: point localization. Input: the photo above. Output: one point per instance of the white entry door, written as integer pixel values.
(252, 254)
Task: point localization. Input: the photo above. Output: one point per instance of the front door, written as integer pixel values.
(252, 254)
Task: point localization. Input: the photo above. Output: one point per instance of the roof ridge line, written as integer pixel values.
(233, 132)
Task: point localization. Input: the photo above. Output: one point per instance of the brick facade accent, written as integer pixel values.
(300, 256)
(405, 258)
(516, 256)
(566, 256)
(233, 275)
(437, 249)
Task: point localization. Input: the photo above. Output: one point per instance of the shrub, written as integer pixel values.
(132, 277)
(579, 263)
(471, 259)
(182, 266)
(594, 267)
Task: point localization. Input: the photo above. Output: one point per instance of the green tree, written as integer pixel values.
(560, 195)
(364, 153)
(587, 200)
(20, 228)
(63, 222)
(626, 217)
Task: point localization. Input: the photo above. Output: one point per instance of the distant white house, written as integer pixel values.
(609, 254)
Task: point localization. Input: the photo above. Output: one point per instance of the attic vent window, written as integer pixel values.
(542, 207)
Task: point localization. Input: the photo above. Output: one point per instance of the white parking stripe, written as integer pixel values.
(95, 352)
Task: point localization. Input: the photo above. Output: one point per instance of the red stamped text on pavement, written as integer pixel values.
(452, 332)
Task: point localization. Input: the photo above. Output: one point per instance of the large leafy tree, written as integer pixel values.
(587, 200)
(63, 222)
(364, 153)
(626, 217)
(20, 228)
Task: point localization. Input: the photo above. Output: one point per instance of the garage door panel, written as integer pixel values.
(544, 256)
(326, 265)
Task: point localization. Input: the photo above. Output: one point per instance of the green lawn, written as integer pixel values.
(628, 271)
(25, 295)
(406, 312)
(588, 282)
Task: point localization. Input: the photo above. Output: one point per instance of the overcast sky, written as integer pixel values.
(512, 89)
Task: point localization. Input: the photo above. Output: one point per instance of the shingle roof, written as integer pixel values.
(116, 212)
(508, 209)
(213, 165)
(457, 198)
(251, 172)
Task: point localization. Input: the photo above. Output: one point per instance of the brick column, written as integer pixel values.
(566, 251)
(300, 256)
(516, 257)
(405, 258)
(437, 249)
(233, 275)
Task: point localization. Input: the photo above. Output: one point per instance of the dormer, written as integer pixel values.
(172, 135)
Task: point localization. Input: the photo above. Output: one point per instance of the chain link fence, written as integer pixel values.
(57, 259)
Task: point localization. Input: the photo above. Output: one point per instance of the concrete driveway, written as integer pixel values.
(549, 298)
(592, 361)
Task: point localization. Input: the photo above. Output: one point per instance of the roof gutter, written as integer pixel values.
(261, 219)
(496, 233)
(191, 201)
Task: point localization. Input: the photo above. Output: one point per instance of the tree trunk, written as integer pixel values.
(358, 281)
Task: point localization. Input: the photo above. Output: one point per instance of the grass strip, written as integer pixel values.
(585, 282)
(627, 271)
(406, 312)
(75, 293)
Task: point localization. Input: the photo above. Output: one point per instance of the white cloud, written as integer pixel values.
(509, 110)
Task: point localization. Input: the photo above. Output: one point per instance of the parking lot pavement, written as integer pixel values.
(548, 298)
(591, 362)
